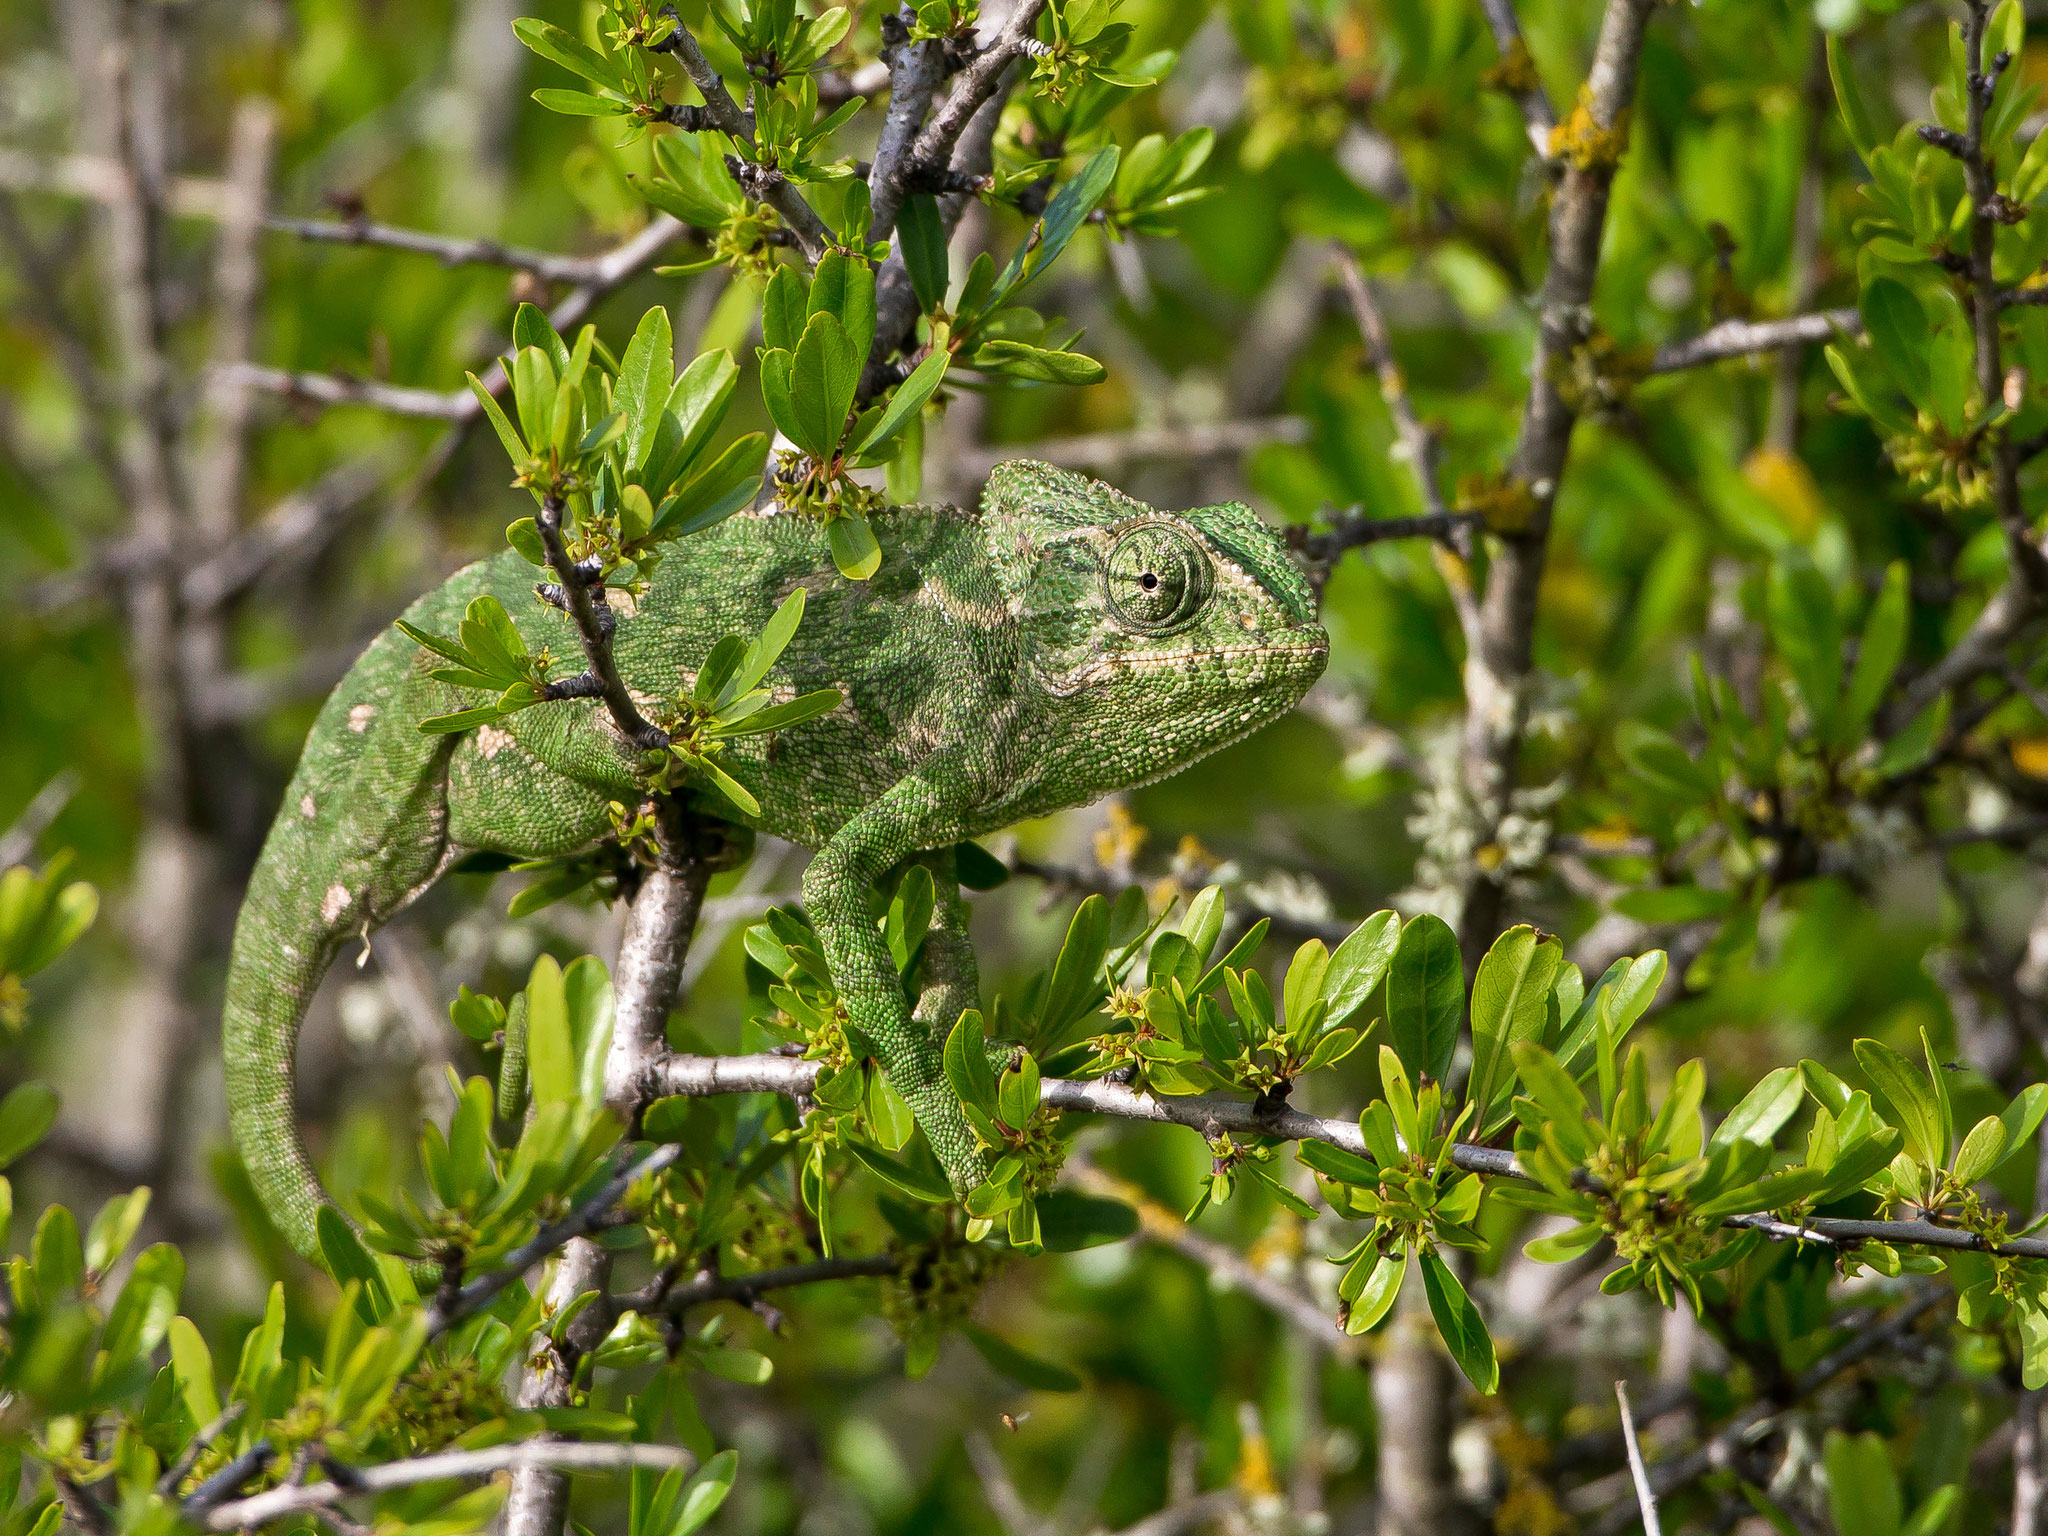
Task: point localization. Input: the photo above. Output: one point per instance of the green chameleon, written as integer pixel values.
(1063, 642)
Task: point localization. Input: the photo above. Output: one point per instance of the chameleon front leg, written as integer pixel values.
(836, 898)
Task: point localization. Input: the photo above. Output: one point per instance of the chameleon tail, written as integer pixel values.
(363, 830)
(281, 951)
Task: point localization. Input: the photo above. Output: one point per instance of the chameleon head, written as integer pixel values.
(1153, 637)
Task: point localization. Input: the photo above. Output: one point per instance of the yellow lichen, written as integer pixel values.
(1581, 142)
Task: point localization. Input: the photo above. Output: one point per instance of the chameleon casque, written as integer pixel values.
(1059, 643)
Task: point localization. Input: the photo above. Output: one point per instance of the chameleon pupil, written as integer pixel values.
(1148, 581)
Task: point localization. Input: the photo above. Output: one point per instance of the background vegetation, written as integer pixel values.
(1656, 390)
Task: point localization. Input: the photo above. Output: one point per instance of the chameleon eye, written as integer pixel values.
(1156, 578)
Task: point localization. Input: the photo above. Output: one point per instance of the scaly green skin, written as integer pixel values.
(999, 666)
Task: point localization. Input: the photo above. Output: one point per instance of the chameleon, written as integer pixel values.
(1058, 642)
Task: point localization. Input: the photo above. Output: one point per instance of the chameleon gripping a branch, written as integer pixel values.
(1061, 642)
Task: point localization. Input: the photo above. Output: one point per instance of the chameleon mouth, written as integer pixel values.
(1313, 647)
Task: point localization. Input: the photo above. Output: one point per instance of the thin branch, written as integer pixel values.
(347, 389)
(459, 406)
(538, 1503)
(583, 598)
(1000, 1490)
(1514, 53)
(1107, 452)
(1646, 1500)
(1356, 530)
(1666, 1477)
(916, 71)
(18, 842)
(761, 183)
(933, 151)
(958, 143)
(585, 1220)
(1213, 1116)
(568, 1456)
(99, 179)
(745, 1289)
(1418, 443)
(1499, 669)
(649, 972)
(1188, 1515)
(449, 250)
(1221, 1260)
(1741, 338)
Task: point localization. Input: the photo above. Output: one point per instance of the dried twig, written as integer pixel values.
(1742, 338)
(247, 1514)
(1646, 1500)
(1214, 1116)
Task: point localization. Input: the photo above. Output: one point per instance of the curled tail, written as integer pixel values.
(363, 829)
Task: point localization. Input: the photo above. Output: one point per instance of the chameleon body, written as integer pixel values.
(1059, 643)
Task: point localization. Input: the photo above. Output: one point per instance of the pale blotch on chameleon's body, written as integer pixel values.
(1059, 643)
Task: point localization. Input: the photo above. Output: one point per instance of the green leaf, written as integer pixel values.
(1075, 988)
(1911, 747)
(1906, 1091)
(550, 1059)
(843, 287)
(767, 647)
(1807, 633)
(1510, 1002)
(1763, 1110)
(572, 53)
(581, 103)
(1982, 1150)
(1017, 1093)
(1426, 996)
(1900, 338)
(1068, 210)
(1662, 905)
(1458, 1321)
(725, 784)
(1069, 1221)
(515, 446)
(647, 374)
(1046, 365)
(1359, 964)
(780, 717)
(193, 1362)
(58, 1256)
(26, 1115)
(1026, 1370)
(909, 398)
(853, 546)
(1378, 1287)
(923, 239)
(703, 1495)
(1877, 659)
(911, 1180)
(347, 1259)
(748, 1367)
(114, 1229)
(966, 1064)
(977, 869)
(1863, 1488)
(822, 382)
(1856, 116)
(2022, 1117)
